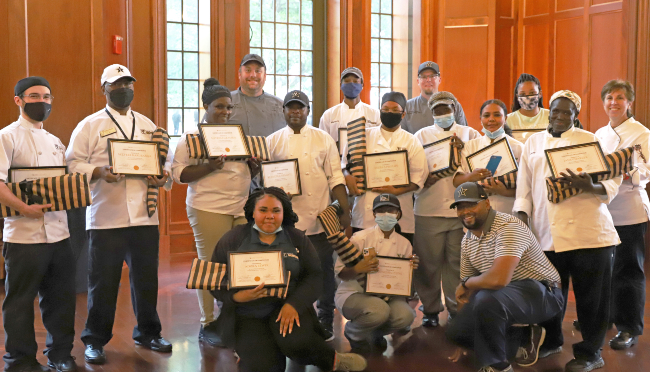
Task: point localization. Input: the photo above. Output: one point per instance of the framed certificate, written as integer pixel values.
(343, 140)
(386, 169)
(284, 174)
(393, 278)
(586, 157)
(522, 135)
(438, 154)
(225, 139)
(139, 158)
(250, 269)
(35, 173)
(500, 148)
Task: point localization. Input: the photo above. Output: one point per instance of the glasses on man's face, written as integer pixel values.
(121, 84)
(37, 97)
(427, 77)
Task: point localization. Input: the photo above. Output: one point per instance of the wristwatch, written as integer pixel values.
(463, 281)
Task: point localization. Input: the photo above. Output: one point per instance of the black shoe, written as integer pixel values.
(208, 333)
(63, 365)
(157, 343)
(29, 367)
(576, 325)
(380, 344)
(528, 353)
(584, 365)
(543, 352)
(430, 320)
(94, 354)
(328, 330)
(359, 347)
(623, 340)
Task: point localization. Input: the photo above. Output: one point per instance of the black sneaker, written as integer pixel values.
(544, 352)
(63, 365)
(584, 365)
(328, 330)
(528, 353)
(156, 343)
(359, 347)
(95, 354)
(208, 333)
(379, 343)
(623, 340)
(430, 320)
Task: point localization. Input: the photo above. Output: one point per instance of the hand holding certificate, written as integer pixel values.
(501, 149)
(586, 157)
(393, 278)
(284, 174)
(386, 169)
(225, 139)
(139, 158)
(250, 269)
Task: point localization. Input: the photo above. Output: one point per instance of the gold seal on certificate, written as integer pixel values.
(284, 174)
(393, 278)
(225, 139)
(522, 135)
(250, 269)
(586, 157)
(343, 140)
(35, 173)
(500, 152)
(438, 154)
(140, 158)
(386, 169)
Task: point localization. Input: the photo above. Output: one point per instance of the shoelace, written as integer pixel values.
(522, 352)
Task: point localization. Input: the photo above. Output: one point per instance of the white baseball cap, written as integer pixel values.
(114, 72)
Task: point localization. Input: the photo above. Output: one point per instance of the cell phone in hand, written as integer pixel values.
(493, 164)
(369, 251)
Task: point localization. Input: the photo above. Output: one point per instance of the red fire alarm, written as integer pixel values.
(117, 44)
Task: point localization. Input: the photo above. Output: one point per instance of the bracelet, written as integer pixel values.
(464, 281)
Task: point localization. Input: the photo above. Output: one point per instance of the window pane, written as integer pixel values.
(191, 11)
(307, 10)
(190, 37)
(174, 65)
(374, 50)
(306, 37)
(174, 11)
(174, 120)
(190, 66)
(386, 25)
(386, 50)
(385, 75)
(280, 10)
(281, 62)
(374, 97)
(267, 35)
(374, 74)
(256, 10)
(306, 87)
(256, 34)
(281, 86)
(294, 83)
(294, 11)
(174, 36)
(387, 6)
(191, 93)
(294, 37)
(294, 62)
(204, 12)
(191, 118)
(269, 86)
(269, 60)
(375, 6)
(374, 25)
(204, 66)
(257, 51)
(204, 38)
(268, 7)
(306, 62)
(280, 35)
(174, 93)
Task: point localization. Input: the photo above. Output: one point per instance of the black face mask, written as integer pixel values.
(121, 97)
(390, 119)
(37, 111)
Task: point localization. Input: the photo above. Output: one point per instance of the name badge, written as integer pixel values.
(107, 132)
(146, 131)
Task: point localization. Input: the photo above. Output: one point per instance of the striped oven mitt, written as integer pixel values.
(356, 150)
(162, 138)
(620, 162)
(196, 148)
(63, 192)
(213, 276)
(509, 180)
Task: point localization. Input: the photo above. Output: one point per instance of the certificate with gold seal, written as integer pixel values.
(386, 169)
(225, 139)
(393, 278)
(585, 157)
(284, 174)
(140, 158)
(250, 269)
(438, 154)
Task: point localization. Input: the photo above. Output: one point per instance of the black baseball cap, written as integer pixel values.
(352, 71)
(428, 65)
(386, 199)
(470, 192)
(296, 96)
(253, 57)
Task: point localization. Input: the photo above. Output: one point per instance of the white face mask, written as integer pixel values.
(266, 233)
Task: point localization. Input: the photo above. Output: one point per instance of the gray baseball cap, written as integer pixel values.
(470, 192)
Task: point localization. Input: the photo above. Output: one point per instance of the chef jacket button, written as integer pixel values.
(552, 223)
(311, 213)
(570, 221)
(40, 153)
(381, 240)
(307, 173)
(290, 154)
(309, 194)
(130, 200)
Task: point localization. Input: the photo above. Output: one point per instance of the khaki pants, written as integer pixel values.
(208, 228)
(371, 316)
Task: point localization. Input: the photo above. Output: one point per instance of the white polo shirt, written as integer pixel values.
(340, 115)
(23, 145)
(119, 204)
(516, 120)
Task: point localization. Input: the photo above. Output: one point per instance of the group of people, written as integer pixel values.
(501, 253)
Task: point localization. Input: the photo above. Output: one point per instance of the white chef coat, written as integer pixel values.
(434, 201)
(581, 221)
(631, 205)
(222, 191)
(516, 120)
(499, 203)
(395, 246)
(340, 115)
(25, 146)
(119, 204)
(320, 171)
(362, 217)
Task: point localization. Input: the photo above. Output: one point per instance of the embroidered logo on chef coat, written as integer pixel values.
(143, 131)
(107, 132)
(59, 148)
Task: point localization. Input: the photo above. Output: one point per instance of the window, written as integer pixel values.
(188, 63)
(282, 33)
(381, 50)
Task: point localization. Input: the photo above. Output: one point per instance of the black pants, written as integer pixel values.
(484, 324)
(590, 271)
(46, 270)
(325, 303)
(262, 348)
(628, 279)
(108, 249)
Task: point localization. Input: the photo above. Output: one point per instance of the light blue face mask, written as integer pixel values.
(444, 121)
(386, 221)
(496, 134)
(264, 232)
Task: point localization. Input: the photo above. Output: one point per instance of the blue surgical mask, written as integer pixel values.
(351, 90)
(264, 232)
(496, 134)
(386, 221)
(444, 121)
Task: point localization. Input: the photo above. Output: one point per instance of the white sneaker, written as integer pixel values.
(349, 362)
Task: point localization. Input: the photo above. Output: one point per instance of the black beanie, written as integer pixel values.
(212, 90)
(397, 97)
(29, 82)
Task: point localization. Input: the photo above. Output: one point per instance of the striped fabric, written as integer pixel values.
(509, 180)
(356, 150)
(196, 148)
(213, 276)
(455, 164)
(620, 162)
(63, 192)
(162, 138)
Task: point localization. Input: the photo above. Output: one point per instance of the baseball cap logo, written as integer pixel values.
(383, 198)
(462, 192)
(429, 64)
(120, 70)
(296, 94)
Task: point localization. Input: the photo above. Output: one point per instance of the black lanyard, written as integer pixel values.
(120, 128)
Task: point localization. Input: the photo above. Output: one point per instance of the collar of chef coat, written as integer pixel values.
(27, 125)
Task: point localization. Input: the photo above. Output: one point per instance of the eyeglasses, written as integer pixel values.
(36, 97)
(428, 77)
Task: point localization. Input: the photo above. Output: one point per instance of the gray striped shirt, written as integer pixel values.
(505, 235)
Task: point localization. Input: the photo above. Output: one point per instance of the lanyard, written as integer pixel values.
(120, 128)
